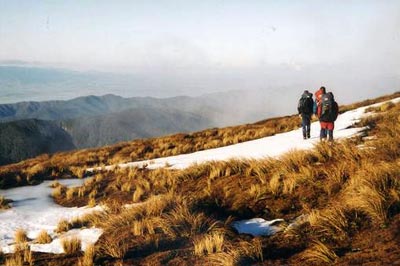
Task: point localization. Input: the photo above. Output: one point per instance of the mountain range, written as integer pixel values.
(94, 121)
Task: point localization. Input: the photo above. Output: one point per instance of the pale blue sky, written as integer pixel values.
(125, 34)
(212, 45)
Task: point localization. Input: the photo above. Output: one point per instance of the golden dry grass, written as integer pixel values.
(114, 246)
(58, 191)
(91, 202)
(22, 255)
(330, 221)
(43, 237)
(71, 245)
(208, 244)
(62, 226)
(4, 203)
(20, 236)
(319, 254)
(137, 195)
(15, 260)
(88, 256)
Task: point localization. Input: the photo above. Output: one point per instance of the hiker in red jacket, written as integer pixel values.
(317, 104)
(327, 112)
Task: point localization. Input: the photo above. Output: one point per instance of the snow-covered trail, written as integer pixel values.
(260, 148)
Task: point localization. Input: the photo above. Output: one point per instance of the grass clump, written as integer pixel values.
(114, 246)
(43, 237)
(71, 245)
(20, 236)
(4, 203)
(208, 244)
(88, 256)
(15, 260)
(319, 254)
(63, 226)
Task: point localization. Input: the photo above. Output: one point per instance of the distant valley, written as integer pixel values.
(28, 129)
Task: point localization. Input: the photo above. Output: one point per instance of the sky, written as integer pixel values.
(226, 44)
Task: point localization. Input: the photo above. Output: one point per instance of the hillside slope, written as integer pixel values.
(131, 124)
(333, 203)
(28, 138)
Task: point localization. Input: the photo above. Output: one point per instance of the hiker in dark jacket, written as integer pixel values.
(327, 114)
(305, 109)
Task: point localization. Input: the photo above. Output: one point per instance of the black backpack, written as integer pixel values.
(329, 108)
(305, 105)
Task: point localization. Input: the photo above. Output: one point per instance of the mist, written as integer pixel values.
(252, 94)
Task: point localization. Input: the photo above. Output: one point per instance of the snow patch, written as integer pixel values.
(258, 227)
(34, 210)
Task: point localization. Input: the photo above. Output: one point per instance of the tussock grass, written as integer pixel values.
(58, 191)
(55, 184)
(331, 221)
(208, 244)
(229, 258)
(4, 203)
(71, 193)
(186, 223)
(137, 195)
(22, 255)
(71, 245)
(15, 260)
(252, 249)
(20, 236)
(63, 226)
(233, 253)
(147, 226)
(114, 246)
(78, 171)
(91, 202)
(374, 190)
(318, 254)
(28, 257)
(43, 237)
(88, 256)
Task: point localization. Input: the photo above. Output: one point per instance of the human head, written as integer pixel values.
(323, 89)
(306, 92)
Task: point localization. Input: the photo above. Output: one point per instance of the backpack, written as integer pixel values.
(329, 108)
(305, 105)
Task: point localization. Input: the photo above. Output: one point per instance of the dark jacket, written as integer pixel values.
(306, 103)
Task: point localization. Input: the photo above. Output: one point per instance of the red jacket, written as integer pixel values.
(318, 95)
